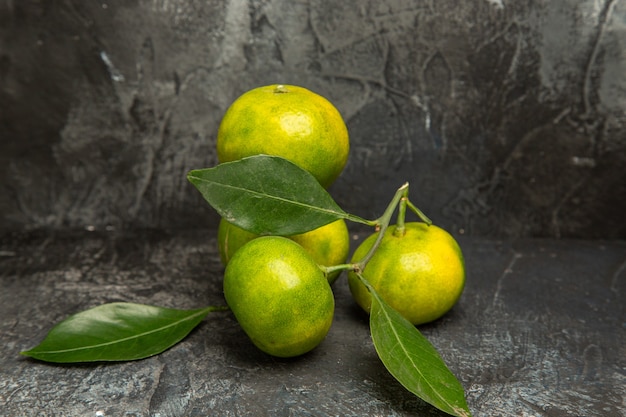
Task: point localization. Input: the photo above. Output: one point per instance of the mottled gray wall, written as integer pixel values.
(507, 118)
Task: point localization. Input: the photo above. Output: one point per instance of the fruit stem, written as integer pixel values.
(399, 229)
(280, 89)
(382, 223)
(399, 200)
(341, 267)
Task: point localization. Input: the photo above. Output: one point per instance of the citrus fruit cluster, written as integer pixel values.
(299, 125)
(278, 287)
(274, 285)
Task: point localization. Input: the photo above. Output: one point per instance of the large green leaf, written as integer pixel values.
(117, 332)
(267, 195)
(413, 360)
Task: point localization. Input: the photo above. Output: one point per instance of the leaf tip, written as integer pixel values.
(191, 175)
(30, 353)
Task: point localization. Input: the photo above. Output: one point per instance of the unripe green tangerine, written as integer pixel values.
(279, 295)
(420, 273)
(288, 121)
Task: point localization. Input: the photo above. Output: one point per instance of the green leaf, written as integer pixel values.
(267, 195)
(117, 332)
(412, 359)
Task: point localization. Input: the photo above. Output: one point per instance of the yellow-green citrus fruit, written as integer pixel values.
(287, 121)
(279, 296)
(328, 245)
(421, 274)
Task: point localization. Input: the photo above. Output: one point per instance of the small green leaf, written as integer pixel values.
(413, 360)
(267, 195)
(117, 332)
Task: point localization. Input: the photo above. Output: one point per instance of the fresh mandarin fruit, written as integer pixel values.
(329, 245)
(287, 121)
(421, 274)
(279, 296)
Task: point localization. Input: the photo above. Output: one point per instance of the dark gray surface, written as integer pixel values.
(539, 331)
(508, 117)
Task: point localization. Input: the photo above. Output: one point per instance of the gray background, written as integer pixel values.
(507, 118)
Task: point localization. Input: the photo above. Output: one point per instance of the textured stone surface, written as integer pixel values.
(508, 118)
(538, 332)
